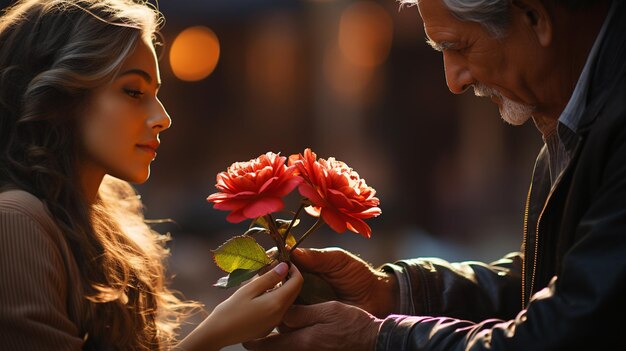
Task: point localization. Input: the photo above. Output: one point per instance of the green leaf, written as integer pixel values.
(284, 223)
(290, 240)
(315, 290)
(260, 221)
(235, 278)
(240, 252)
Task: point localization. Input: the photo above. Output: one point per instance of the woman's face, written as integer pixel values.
(121, 123)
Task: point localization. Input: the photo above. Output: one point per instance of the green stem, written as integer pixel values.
(278, 239)
(313, 228)
(295, 217)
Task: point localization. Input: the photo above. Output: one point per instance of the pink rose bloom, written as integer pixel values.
(337, 192)
(255, 188)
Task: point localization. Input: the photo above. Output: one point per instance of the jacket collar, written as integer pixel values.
(609, 67)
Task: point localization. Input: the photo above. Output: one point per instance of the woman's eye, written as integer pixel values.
(136, 94)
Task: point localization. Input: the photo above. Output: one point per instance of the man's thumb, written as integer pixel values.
(317, 261)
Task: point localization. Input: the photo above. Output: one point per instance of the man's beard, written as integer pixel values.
(512, 112)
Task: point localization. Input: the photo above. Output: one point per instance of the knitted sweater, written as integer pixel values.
(41, 304)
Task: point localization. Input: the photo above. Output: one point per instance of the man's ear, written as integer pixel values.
(537, 17)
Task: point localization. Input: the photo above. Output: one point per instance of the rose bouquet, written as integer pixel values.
(331, 192)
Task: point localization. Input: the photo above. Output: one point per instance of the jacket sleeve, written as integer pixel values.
(466, 290)
(580, 309)
(33, 288)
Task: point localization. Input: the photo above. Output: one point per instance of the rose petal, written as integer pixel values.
(263, 177)
(267, 184)
(286, 187)
(236, 217)
(230, 205)
(369, 213)
(334, 220)
(221, 197)
(310, 193)
(358, 226)
(244, 183)
(338, 199)
(217, 197)
(314, 211)
(263, 206)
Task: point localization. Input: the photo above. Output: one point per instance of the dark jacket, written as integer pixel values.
(569, 291)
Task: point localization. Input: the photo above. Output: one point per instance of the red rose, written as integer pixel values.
(337, 192)
(254, 188)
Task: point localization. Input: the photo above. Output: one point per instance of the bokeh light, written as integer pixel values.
(365, 34)
(195, 53)
(271, 59)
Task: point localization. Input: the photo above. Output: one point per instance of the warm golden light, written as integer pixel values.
(352, 84)
(272, 59)
(365, 34)
(194, 53)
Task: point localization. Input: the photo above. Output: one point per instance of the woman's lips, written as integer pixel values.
(149, 149)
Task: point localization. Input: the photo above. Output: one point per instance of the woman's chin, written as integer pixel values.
(134, 178)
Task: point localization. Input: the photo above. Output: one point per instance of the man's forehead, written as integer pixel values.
(429, 8)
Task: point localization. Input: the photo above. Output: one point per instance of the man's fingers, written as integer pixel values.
(267, 343)
(320, 260)
(301, 316)
(274, 342)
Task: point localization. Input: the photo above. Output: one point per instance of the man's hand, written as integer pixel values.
(354, 281)
(325, 326)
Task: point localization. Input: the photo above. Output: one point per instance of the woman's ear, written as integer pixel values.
(537, 17)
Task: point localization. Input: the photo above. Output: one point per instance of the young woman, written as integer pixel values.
(79, 118)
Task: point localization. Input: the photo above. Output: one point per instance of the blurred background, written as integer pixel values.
(352, 80)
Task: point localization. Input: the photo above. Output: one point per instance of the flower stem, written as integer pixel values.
(313, 228)
(278, 239)
(295, 217)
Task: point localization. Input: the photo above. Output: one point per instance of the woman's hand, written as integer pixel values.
(250, 313)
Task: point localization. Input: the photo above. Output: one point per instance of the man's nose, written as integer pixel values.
(458, 76)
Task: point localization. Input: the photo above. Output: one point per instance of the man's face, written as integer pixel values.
(495, 68)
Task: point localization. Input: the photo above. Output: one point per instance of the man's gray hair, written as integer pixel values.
(493, 15)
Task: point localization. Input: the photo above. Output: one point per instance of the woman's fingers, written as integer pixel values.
(291, 288)
(266, 281)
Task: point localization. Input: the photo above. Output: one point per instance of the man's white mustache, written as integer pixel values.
(512, 112)
(484, 91)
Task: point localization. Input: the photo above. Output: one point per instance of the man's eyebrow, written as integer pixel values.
(143, 74)
(444, 45)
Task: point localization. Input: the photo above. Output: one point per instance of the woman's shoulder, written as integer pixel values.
(45, 304)
(16, 203)
(27, 228)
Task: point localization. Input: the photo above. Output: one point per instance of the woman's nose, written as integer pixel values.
(160, 119)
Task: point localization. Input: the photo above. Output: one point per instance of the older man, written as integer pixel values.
(563, 64)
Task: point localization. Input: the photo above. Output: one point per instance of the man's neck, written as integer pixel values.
(574, 36)
(545, 125)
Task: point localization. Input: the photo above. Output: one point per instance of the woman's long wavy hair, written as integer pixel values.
(53, 53)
